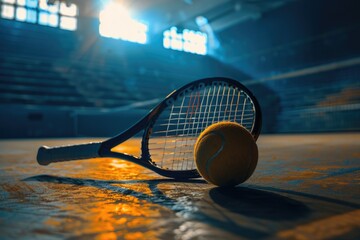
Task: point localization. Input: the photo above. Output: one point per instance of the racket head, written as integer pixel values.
(169, 138)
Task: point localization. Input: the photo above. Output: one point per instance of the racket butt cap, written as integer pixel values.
(41, 156)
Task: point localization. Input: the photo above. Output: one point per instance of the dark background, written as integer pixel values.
(300, 58)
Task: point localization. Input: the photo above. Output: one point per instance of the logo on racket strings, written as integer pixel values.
(192, 88)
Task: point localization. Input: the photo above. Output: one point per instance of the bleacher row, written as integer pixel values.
(45, 66)
(320, 89)
(308, 101)
(80, 84)
(62, 74)
(24, 81)
(321, 102)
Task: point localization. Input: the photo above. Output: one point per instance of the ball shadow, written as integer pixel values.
(259, 204)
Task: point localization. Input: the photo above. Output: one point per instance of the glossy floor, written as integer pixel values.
(304, 187)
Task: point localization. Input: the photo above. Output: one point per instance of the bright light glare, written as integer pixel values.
(116, 22)
(21, 14)
(8, 1)
(68, 23)
(7, 11)
(53, 20)
(43, 5)
(21, 2)
(68, 10)
(187, 41)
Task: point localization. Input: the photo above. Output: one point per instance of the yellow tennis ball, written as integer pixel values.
(226, 154)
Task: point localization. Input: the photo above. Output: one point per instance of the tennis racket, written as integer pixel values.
(171, 129)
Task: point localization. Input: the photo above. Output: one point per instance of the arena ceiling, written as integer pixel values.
(162, 14)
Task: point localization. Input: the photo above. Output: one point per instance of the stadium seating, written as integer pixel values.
(56, 72)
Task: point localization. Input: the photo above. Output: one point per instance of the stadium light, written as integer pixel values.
(116, 22)
(186, 40)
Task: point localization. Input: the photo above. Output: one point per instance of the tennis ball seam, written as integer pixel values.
(212, 158)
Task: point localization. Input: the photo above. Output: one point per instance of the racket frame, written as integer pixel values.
(146, 123)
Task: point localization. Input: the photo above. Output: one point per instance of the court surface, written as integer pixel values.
(304, 187)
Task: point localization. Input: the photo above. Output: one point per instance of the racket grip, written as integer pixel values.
(47, 155)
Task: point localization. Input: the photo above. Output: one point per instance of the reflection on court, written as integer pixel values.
(299, 184)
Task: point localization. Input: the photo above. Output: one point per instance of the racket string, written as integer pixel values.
(177, 148)
(245, 119)
(191, 111)
(198, 129)
(177, 128)
(190, 138)
(166, 134)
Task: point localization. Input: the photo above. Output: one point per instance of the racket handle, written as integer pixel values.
(47, 155)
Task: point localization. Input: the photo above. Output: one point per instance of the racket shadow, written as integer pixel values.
(157, 197)
(87, 181)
